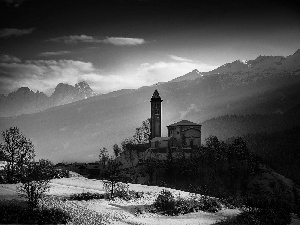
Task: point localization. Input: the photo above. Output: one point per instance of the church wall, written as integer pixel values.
(195, 141)
(192, 133)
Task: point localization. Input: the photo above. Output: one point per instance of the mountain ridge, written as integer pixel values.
(254, 69)
(25, 101)
(76, 131)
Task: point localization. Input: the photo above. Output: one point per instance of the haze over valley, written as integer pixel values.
(263, 95)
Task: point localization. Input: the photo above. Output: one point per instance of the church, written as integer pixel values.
(183, 135)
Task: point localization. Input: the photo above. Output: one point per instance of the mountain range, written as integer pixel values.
(25, 101)
(266, 87)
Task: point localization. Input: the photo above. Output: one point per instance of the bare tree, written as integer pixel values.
(103, 156)
(35, 181)
(112, 177)
(18, 151)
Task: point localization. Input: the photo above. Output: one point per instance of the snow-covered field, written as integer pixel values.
(118, 211)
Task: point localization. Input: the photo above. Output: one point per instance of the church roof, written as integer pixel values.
(184, 123)
(161, 139)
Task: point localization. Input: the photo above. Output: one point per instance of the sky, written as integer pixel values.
(120, 44)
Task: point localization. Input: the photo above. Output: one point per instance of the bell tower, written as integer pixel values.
(155, 115)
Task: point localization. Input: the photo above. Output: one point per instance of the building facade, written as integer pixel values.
(186, 133)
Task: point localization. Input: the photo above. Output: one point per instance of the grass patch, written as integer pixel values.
(14, 213)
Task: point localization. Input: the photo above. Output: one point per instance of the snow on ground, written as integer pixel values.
(82, 184)
(118, 211)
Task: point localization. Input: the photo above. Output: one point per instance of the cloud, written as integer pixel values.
(118, 41)
(180, 59)
(14, 3)
(111, 82)
(166, 71)
(54, 53)
(9, 59)
(42, 75)
(6, 32)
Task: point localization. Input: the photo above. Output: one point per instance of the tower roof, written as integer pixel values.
(155, 96)
(184, 123)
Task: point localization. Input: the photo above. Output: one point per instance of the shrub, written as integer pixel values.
(12, 213)
(260, 211)
(59, 173)
(169, 205)
(165, 202)
(87, 196)
(121, 190)
(209, 204)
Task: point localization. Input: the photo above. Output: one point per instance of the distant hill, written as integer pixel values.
(25, 101)
(76, 131)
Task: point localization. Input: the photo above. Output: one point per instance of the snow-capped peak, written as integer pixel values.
(196, 71)
(243, 61)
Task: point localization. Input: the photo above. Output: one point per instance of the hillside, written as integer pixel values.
(76, 131)
(228, 126)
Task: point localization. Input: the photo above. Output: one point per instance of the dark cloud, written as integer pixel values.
(9, 59)
(74, 39)
(6, 32)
